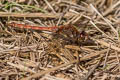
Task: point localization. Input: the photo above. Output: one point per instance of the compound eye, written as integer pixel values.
(83, 36)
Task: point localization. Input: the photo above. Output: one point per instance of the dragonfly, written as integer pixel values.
(69, 30)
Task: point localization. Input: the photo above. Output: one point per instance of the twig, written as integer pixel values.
(21, 67)
(92, 70)
(99, 29)
(86, 57)
(39, 74)
(106, 57)
(118, 60)
(50, 6)
(27, 48)
(111, 8)
(76, 5)
(117, 56)
(103, 18)
(63, 14)
(106, 44)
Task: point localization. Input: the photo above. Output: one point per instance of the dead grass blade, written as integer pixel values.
(43, 15)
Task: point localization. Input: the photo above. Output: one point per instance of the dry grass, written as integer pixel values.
(27, 54)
